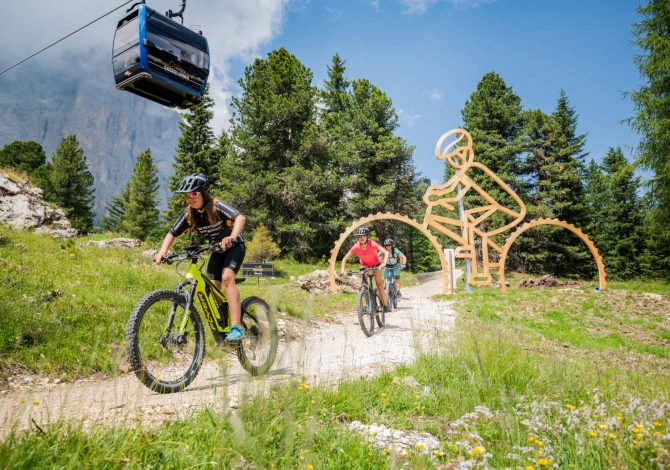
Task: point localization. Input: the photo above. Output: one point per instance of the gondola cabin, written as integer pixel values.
(159, 59)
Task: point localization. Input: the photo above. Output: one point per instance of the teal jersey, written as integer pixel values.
(394, 258)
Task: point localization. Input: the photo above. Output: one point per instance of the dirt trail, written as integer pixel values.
(326, 354)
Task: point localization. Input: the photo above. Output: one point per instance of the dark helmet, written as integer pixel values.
(197, 182)
(388, 241)
(362, 231)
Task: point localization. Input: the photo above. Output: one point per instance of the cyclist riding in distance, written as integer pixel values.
(367, 251)
(394, 262)
(220, 224)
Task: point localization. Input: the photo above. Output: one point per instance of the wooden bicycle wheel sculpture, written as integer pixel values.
(558, 223)
(388, 216)
(472, 228)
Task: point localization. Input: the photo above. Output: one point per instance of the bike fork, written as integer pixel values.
(187, 308)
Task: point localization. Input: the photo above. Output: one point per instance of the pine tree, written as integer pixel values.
(278, 163)
(140, 217)
(196, 153)
(24, 156)
(625, 232)
(115, 210)
(652, 122)
(570, 158)
(71, 183)
(335, 95)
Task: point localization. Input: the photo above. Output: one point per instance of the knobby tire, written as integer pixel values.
(151, 360)
(258, 349)
(365, 309)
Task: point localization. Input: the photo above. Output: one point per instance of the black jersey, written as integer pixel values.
(213, 232)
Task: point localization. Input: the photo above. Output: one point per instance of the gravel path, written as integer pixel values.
(326, 354)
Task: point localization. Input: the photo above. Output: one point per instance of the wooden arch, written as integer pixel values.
(559, 223)
(388, 216)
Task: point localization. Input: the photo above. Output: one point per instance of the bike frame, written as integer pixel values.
(207, 293)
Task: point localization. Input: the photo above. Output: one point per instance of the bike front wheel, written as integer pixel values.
(258, 349)
(164, 359)
(365, 312)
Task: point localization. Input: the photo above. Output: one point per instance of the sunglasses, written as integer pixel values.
(192, 194)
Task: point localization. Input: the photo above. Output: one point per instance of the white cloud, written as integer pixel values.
(419, 7)
(235, 30)
(375, 4)
(407, 120)
(436, 95)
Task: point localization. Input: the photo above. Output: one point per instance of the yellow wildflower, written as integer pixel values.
(402, 454)
(531, 439)
(611, 435)
(570, 407)
(635, 442)
(592, 433)
(310, 466)
(530, 467)
(539, 443)
(303, 387)
(438, 453)
(420, 446)
(478, 450)
(543, 462)
(658, 424)
(603, 427)
(36, 402)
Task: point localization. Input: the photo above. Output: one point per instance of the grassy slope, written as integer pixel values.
(572, 378)
(64, 305)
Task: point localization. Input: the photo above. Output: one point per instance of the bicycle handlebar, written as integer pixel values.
(193, 252)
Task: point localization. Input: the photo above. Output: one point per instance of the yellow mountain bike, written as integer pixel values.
(165, 338)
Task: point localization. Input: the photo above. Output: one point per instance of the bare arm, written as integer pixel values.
(238, 226)
(344, 261)
(165, 247)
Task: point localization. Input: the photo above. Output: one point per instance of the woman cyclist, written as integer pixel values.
(394, 262)
(220, 224)
(367, 250)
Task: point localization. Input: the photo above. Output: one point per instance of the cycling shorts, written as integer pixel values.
(232, 258)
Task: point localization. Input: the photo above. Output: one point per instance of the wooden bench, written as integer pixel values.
(258, 270)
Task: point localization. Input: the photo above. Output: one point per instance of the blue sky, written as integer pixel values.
(430, 60)
(427, 55)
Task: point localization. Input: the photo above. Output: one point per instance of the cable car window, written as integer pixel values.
(126, 59)
(126, 36)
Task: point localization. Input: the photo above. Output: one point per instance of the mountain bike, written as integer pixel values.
(368, 307)
(391, 289)
(165, 335)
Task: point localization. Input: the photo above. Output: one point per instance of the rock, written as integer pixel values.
(22, 206)
(410, 381)
(149, 253)
(288, 331)
(395, 440)
(116, 243)
(317, 282)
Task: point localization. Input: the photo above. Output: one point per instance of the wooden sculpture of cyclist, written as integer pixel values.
(220, 223)
(367, 251)
(474, 232)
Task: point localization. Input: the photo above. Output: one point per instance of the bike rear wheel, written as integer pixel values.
(258, 349)
(166, 361)
(365, 308)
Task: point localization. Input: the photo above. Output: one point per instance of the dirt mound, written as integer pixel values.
(546, 281)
